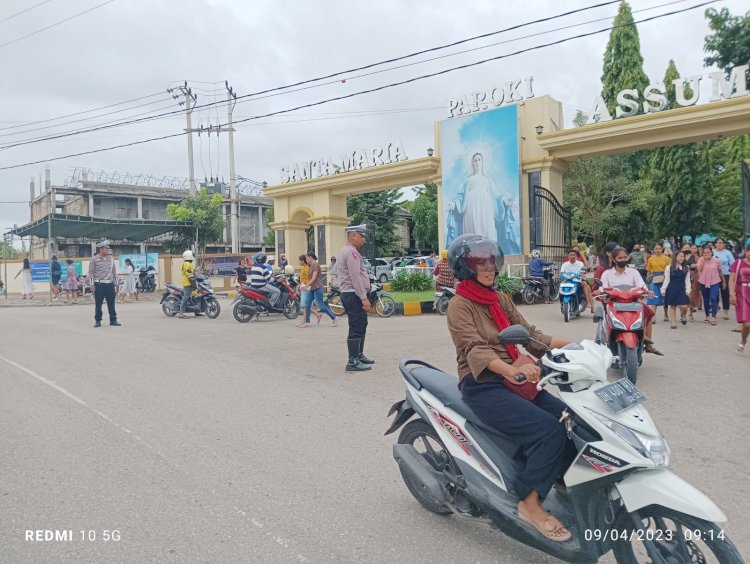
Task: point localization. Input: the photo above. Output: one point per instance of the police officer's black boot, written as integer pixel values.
(362, 358)
(354, 365)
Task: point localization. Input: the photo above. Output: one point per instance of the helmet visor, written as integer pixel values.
(485, 256)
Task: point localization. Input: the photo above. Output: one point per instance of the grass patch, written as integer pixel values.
(424, 296)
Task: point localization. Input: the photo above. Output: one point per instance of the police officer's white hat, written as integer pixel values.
(104, 243)
(357, 229)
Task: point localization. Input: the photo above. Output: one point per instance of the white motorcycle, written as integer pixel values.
(620, 496)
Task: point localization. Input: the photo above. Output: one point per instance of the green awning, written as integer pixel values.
(83, 226)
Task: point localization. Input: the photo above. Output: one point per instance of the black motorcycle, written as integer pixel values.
(533, 286)
(147, 279)
(442, 298)
(203, 301)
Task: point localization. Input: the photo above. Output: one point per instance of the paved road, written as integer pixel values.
(211, 441)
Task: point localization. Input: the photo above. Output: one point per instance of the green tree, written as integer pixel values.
(580, 118)
(669, 77)
(205, 213)
(425, 214)
(378, 211)
(7, 251)
(606, 203)
(729, 44)
(726, 158)
(623, 62)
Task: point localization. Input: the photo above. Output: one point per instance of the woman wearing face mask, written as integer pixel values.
(676, 288)
(487, 371)
(622, 275)
(711, 280)
(657, 264)
(726, 257)
(605, 260)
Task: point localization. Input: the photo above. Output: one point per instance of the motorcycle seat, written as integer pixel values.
(444, 387)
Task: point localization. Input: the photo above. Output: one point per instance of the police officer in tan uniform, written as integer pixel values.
(354, 282)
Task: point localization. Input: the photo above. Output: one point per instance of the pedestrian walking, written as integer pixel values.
(128, 286)
(315, 292)
(711, 280)
(695, 301)
(103, 272)
(355, 283)
(638, 259)
(188, 282)
(333, 273)
(739, 287)
(283, 262)
(241, 273)
(27, 285)
(55, 273)
(605, 260)
(676, 289)
(304, 292)
(657, 263)
(71, 283)
(727, 258)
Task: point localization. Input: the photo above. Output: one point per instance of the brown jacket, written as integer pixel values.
(474, 333)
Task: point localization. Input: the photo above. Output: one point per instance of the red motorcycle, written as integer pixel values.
(621, 322)
(252, 302)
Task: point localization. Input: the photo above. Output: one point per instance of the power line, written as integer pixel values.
(55, 24)
(391, 85)
(255, 95)
(23, 12)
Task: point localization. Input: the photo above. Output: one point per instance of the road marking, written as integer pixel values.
(66, 393)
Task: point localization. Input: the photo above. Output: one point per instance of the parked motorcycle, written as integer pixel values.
(381, 302)
(252, 302)
(202, 300)
(572, 299)
(620, 496)
(534, 287)
(333, 300)
(620, 326)
(147, 279)
(442, 298)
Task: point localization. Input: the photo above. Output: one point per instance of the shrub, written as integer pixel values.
(412, 281)
(508, 284)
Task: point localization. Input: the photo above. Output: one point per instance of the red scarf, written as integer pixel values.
(476, 292)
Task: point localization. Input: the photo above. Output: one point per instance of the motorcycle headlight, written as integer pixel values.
(616, 323)
(638, 324)
(649, 446)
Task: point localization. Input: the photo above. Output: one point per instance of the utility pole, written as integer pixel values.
(235, 202)
(189, 103)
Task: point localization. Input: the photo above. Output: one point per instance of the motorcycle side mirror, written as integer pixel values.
(514, 335)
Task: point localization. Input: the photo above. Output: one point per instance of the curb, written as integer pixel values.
(414, 308)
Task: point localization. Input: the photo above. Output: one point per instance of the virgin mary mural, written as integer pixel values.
(480, 177)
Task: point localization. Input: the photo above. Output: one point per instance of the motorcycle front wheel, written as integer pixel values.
(334, 302)
(170, 306)
(213, 308)
(566, 311)
(427, 443)
(676, 537)
(291, 309)
(385, 306)
(629, 362)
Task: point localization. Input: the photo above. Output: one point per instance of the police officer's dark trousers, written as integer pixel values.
(533, 425)
(104, 292)
(357, 317)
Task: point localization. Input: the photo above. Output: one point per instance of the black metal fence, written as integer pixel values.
(550, 224)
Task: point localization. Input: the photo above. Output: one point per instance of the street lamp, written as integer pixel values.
(430, 152)
(539, 129)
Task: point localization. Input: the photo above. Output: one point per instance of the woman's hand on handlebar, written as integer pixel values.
(531, 371)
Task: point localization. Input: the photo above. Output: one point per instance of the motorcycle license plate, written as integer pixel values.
(620, 395)
(628, 306)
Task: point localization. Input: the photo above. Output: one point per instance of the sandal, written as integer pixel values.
(550, 527)
(673, 326)
(683, 321)
(741, 347)
(713, 323)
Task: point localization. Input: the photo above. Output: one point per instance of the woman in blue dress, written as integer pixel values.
(676, 289)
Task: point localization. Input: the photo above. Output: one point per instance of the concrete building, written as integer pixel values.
(109, 199)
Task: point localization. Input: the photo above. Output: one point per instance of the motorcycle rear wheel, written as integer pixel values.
(426, 441)
(566, 311)
(528, 294)
(678, 538)
(213, 308)
(170, 306)
(442, 305)
(291, 309)
(241, 316)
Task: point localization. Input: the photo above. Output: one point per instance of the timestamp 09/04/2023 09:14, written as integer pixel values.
(651, 535)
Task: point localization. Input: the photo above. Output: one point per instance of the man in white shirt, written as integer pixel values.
(575, 266)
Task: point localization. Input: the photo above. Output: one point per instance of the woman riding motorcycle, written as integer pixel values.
(487, 371)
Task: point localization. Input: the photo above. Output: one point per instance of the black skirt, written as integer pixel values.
(675, 294)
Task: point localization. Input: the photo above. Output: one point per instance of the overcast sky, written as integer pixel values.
(128, 49)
